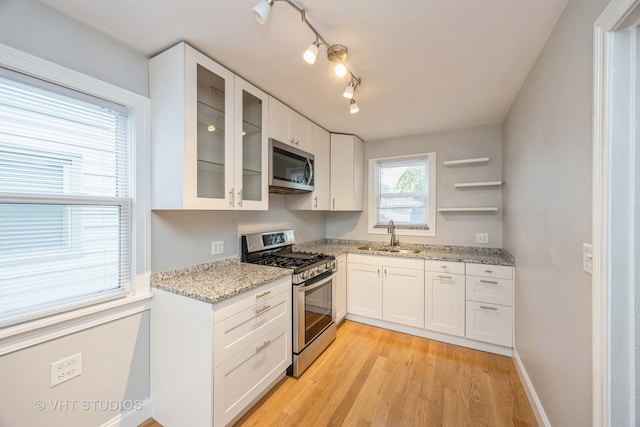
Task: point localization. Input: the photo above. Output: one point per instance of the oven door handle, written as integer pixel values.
(315, 285)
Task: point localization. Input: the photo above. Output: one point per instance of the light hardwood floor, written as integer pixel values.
(375, 377)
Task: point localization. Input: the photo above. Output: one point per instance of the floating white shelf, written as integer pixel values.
(478, 184)
(477, 209)
(466, 161)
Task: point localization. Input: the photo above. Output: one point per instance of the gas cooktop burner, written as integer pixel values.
(275, 249)
(293, 260)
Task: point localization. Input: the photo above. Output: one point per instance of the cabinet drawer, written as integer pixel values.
(491, 290)
(487, 270)
(242, 378)
(444, 266)
(490, 323)
(249, 299)
(236, 332)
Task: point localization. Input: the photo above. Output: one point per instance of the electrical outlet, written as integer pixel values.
(217, 247)
(65, 369)
(587, 258)
(482, 237)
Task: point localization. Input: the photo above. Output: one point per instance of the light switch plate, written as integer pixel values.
(587, 257)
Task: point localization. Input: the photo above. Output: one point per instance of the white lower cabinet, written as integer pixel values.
(445, 297)
(243, 377)
(403, 294)
(364, 290)
(386, 288)
(490, 323)
(462, 303)
(210, 362)
(341, 288)
(489, 304)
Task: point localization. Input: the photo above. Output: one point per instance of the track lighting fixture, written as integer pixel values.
(336, 53)
(311, 53)
(353, 107)
(348, 91)
(262, 10)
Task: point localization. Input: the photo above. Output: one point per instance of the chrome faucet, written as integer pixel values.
(391, 229)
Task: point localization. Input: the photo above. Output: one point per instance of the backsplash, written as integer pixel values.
(183, 238)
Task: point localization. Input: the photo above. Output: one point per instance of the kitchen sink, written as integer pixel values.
(394, 250)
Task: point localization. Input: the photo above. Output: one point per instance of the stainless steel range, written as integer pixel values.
(314, 316)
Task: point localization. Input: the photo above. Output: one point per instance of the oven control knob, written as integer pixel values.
(332, 265)
(321, 268)
(304, 275)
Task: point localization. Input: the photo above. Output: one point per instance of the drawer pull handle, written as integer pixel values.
(445, 277)
(263, 346)
(484, 307)
(443, 266)
(264, 294)
(488, 271)
(263, 309)
(489, 282)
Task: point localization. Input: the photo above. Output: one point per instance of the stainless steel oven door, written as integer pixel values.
(313, 311)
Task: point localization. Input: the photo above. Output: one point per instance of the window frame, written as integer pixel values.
(138, 107)
(374, 194)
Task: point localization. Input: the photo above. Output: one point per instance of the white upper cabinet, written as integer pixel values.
(252, 146)
(347, 172)
(209, 135)
(320, 198)
(288, 126)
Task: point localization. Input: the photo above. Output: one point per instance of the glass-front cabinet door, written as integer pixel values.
(251, 112)
(209, 175)
(209, 135)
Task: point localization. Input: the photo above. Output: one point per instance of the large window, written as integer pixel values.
(402, 189)
(65, 205)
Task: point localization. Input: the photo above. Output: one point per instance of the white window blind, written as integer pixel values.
(64, 199)
(402, 191)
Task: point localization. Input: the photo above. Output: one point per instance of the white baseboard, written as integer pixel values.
(534, 401)
(437, 336)
(132, 418)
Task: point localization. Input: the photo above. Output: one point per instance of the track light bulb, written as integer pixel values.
(348, 91)
(262, 10)
(311, 53)
(353, 107)
(341, 70)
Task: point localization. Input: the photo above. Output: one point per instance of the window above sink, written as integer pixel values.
(403, 189)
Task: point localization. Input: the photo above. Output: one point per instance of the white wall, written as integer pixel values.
(33, 28)
(115, 354)
(451, 228)
(115, 365)
(182, 238)
(547, 215)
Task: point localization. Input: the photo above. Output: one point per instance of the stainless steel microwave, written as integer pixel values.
(291, 170)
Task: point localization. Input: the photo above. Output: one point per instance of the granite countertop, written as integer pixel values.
(493, 256)
(216, 281)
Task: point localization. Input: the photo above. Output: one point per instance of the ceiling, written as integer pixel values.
(426, 65)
